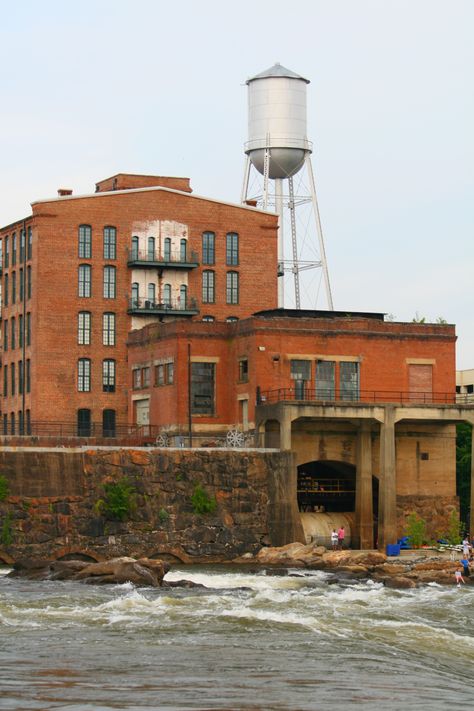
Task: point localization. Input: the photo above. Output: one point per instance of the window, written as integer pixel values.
(83, 422)
(6, 255)
(135, 244)
(30, 243)
(84, 375)
(5, 290)
(183, 245)
(232, 288)
(135, 297)
(28, 376)
(208, 319)
(108, 376)
(85, 242)
(13, 249)
(108, 329)
(208, 287)
(28, 282)
(300, 373)
(108, 423)
(167, 295)
(232, 249)
(22, 245)
(160, 374)
(85, 280)
(13, 333)
(22, 284)
(84, 328)
(167, 249)
(110, 243)
(5, 380)
(151, 295)
(202, 388)
(13, 287)
(137, 378)
(232, 319)
(243, 370)
(145, 377)
(20, 330)
(5, 424)
(12, 379)
(12, 423)
(325, 379)
(151, 249)
(208, 248)
(5, 335)
(170, 373)
(28, 329)
(349, 381)
(20, 377)
(21, 429)
(109, 282)
(28, 422)
(183, 296)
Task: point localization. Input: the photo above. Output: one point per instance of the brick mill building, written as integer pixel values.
(145, 307)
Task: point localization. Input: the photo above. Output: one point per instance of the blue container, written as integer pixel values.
(393, 549)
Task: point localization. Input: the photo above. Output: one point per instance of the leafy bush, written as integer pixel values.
(6, 533)
(163, 515)
(119, 500)
(416, 530)
(4, 488)
(202, 502)
(454, 531)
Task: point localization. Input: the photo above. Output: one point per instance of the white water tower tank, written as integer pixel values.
(277, 120)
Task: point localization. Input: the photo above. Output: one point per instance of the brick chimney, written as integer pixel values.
(62, 192)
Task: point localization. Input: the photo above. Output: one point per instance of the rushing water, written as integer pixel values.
(249, 641)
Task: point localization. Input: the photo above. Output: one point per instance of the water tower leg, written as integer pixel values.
(281, 242)
(245, 184)
(322, 251)
(295, 268)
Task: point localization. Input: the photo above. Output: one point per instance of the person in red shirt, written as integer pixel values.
(340, 537)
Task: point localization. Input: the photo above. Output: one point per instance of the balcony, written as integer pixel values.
(173, 307)
(329, 396)
(169, 260)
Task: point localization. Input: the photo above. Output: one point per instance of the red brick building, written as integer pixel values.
(82, 271)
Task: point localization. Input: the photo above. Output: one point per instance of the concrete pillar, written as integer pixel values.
(471, 515)
(285, 431)
(387, 528)
(364, 533)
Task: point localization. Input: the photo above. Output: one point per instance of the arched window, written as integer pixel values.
(108, 329)
(83, 422)
(232, 249)
(5, 290)
(6, 254)
(183, 245)
(208, 287)
(208, 247)
(84, 375)
(110, 243)
(85, 280)
(167, 295)
(85, 242)
(151, 249)
(135, 299)
(108, 423)
(167, 249)
(183, 296)
(232, 287)
(109, 282)
(134, 254)
(84, 328)
(13, 249)
(108, 375)
(151, 294)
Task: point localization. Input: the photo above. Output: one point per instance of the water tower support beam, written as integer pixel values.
(322, 251)
(295, 269)
(281, 242)
(245, 184)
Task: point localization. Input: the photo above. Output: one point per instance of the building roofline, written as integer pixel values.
(192, 196)
(16, 222)
(142, 175)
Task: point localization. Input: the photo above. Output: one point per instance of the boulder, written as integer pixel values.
(141, 572)
(399, 582)
(293, 554)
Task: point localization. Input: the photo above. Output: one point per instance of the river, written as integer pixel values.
(249, 641)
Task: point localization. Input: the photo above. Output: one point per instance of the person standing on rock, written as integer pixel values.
(341, 534)
(334, 539)
(466, 547)
(465, 564)
(458, 577)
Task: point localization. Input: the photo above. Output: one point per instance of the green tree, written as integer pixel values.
(454, 533)
(119, 500)
(415, 529)
(463, 468)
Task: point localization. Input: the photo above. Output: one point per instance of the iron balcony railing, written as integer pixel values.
(38, 428)
(184, 306)
(175, 258)
(327, 396)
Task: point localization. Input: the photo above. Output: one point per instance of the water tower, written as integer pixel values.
(278, 151)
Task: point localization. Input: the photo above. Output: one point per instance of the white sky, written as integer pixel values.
(98, 87)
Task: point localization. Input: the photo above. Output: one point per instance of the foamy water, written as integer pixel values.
(248, 641)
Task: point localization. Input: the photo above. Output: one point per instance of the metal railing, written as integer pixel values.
(37, 428)
(170, 305)
(328, 396)
(175, 257)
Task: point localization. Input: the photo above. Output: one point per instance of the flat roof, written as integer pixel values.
(317, 313)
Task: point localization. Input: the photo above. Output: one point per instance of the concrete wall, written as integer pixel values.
(52, 507)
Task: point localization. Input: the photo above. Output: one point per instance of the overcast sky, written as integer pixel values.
(89, 89)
